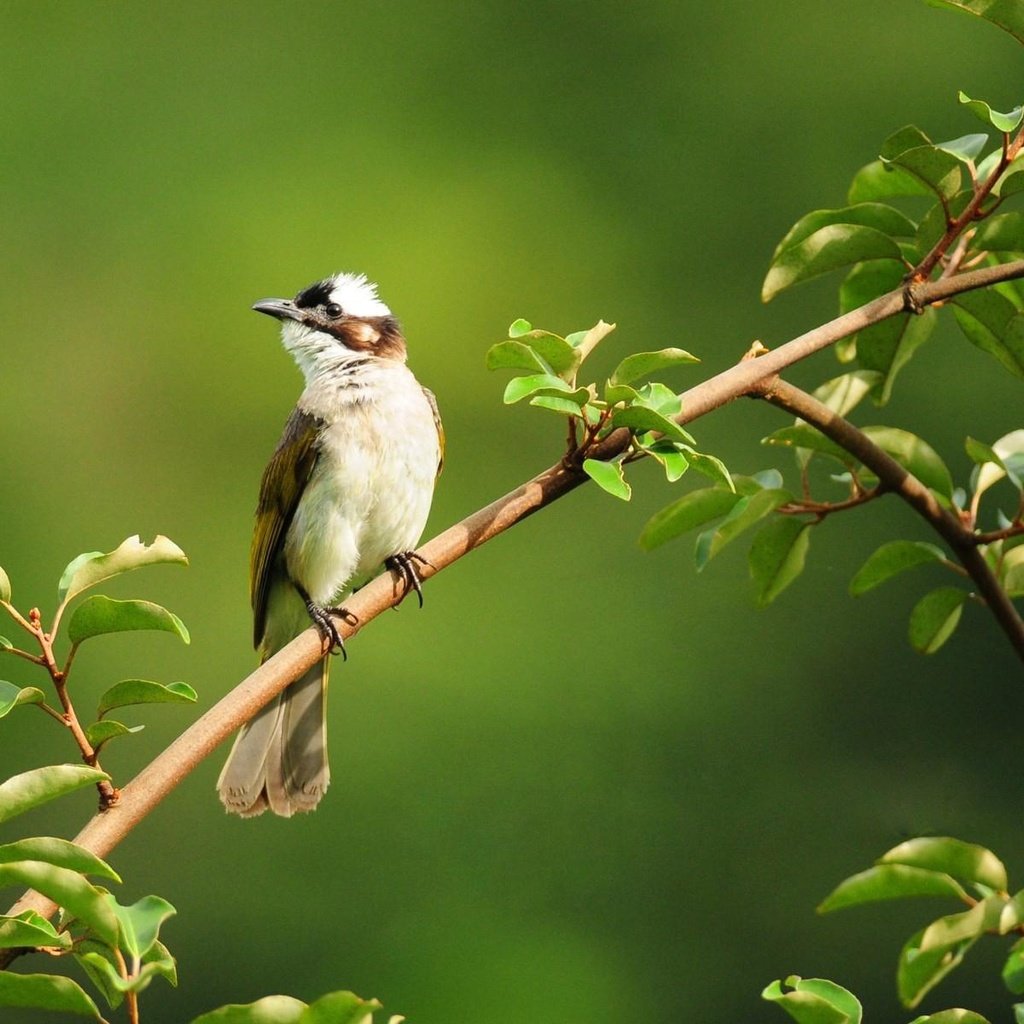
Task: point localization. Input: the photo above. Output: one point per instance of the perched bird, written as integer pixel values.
(346, 492)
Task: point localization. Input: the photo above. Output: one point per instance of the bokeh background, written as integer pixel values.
(584, 784)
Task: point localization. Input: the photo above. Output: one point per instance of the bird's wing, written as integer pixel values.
(283, 482)
(437, 423)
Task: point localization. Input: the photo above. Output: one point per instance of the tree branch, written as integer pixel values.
(898, 480)
(157, 779)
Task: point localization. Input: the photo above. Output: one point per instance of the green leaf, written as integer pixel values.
(157, 960)
(5, 586)
(13, 696)
(966, 861)
(867, 281)
(519, 327)
(514, 355)
(890, 559)
(68, 889)
(46, 992)
(140, 923)
(1010, 449)
(269, 1010)
(563, 406)
(1012, 915)
(519, 388)
(777, 556)
(616, 393)
(933, 167)
(642, 364)
(919, 971)
(765, 479)
(587, 341)
(98, 615)
(886, 347)
(100, 966)
(828, 248)
(980, 453)
(60, 853)
(94, 567)
(804, 436)
(935, 617)
(956, 1016)
(1013, 969)
(879, 180)
(33, 933)
(1011, 572)
(890, 882)
(711, 467)
(886, 219)
(994, 324)
(916, 456)
(609, 476)
(844, 393)
(903, 139)
(744, 514)
(1002, 233)
(143, 691)
(815, 1001)
(1012, 181)
(966, 147)
(639, 419)
(22, 792)
(100, 733)
(339, 1008)
(672, 460)
(554, 352)
(1011, 121)
(659, 398)
(685, 514)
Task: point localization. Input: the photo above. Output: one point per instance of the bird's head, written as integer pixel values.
(334, 320)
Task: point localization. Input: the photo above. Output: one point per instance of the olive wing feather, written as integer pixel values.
(283, 482)
(440, 428)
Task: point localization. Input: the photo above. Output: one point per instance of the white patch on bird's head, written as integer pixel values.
(356, 295)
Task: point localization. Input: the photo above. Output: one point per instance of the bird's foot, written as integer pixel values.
(404, 565)
(324, 622)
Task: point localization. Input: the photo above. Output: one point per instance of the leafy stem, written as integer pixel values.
(971, 212)
(900, 481)
(59, 677)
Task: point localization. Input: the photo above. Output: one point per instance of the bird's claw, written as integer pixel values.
(403, 565)
(325, 623)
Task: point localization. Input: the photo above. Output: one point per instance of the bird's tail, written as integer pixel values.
(279, 759)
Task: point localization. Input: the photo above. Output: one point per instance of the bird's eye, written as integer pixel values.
(333, 310)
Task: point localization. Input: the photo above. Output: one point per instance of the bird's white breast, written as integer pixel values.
(370, 491)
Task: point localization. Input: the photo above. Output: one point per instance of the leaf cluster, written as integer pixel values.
(649, 411)
(116, 946)
(931, 866)
(920, 205)
(97, 615)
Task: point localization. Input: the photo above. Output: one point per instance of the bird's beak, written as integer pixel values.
(282, 309)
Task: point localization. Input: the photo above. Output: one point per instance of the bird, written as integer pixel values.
(346, 493)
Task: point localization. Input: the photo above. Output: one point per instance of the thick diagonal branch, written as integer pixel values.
(158, 778)
(900, 481)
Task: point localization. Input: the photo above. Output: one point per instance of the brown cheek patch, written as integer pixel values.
(380, 336)
(389, 343)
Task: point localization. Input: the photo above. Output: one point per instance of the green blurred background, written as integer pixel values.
(583, 784)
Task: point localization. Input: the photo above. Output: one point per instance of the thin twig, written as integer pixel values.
(972, 211)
